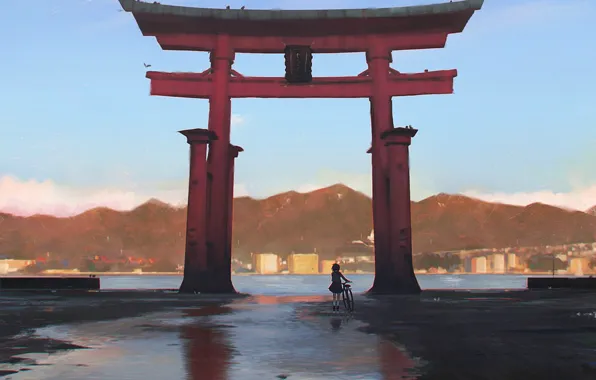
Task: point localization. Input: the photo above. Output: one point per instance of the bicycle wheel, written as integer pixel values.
(348, 299)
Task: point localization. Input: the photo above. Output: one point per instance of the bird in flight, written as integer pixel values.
(146, 65)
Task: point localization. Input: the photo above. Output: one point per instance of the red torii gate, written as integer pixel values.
(298, 34)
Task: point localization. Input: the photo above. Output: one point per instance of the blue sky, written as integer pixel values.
(79, 127)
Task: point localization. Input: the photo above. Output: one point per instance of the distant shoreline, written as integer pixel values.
(119, 274)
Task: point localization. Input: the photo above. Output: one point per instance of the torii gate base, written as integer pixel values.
(298, 34)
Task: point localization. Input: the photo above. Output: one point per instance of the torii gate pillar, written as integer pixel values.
(403, 280)
(219, 166)
(394, 273)
(196, 263)
(378, 58)
(227, 276)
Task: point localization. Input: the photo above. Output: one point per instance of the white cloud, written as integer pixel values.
(240, 190)
(581, 199)
(33, 197)
(357, 181)
(307, 188)
(237, 120)
(362, 182)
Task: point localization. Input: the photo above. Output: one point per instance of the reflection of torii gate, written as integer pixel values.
(209, 350)
(208, 353)
(298, 34)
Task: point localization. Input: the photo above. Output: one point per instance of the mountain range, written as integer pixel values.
(325, 220)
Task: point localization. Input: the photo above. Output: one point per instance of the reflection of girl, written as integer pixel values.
(336, 286)
(335, 324)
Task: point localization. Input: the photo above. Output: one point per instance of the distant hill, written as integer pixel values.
(444, 221)
(591, 211)
(324, 219)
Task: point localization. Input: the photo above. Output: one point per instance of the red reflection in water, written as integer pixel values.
(275, 300)
(394, 363)
(208, 310)
(493, 299)
(208, 354)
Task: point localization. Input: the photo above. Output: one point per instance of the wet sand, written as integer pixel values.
(438, 335)
(23, 312)
(496, 335)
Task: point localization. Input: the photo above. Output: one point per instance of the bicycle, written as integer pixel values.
(347, 297)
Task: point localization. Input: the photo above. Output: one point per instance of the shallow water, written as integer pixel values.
(259, 337)
(292, 284)
(284, 328)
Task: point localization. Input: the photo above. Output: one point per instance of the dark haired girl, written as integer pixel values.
(336, 286)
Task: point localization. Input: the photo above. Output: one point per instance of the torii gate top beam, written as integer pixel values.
(325, 31)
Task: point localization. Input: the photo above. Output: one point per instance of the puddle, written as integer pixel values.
(256, 338)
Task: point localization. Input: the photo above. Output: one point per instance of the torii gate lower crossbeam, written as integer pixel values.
(202, 85)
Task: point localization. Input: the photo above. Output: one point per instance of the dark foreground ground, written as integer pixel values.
(513, 335)
(456, 335)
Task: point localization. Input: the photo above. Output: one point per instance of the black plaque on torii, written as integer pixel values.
(298, 64)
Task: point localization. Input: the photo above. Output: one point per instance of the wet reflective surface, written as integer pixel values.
(317, 284)
(294, 335)
(259, 337)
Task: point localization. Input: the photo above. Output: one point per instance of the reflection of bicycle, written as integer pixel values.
(348, 297)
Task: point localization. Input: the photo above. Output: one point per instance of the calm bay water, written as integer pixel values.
(317, 284)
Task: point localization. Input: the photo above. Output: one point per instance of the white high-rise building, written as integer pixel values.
(303, 263)
(479, 264)
(498, 263)
(266, 263)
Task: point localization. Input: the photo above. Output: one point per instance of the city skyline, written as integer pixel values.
(82, 130)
